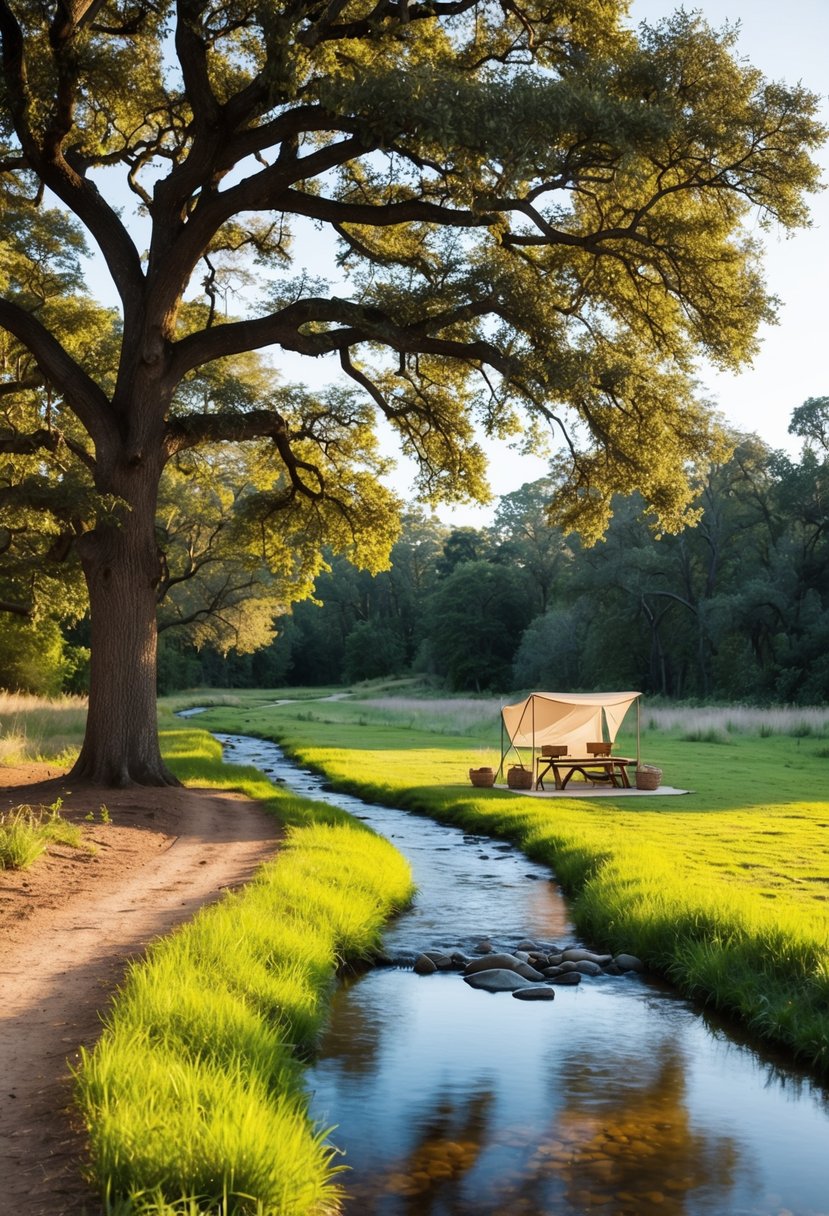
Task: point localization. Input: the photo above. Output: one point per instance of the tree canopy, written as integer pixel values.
(496, 215)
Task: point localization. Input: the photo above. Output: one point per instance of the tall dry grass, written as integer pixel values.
(463, 715)
(40, 728)
(795, 720)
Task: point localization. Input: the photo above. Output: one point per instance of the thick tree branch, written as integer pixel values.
(14, 444)
(81, 394)
(23, 610)
(358, 324)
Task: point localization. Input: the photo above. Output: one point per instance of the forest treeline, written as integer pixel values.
(736, 607)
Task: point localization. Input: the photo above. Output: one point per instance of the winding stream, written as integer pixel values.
(617, 1097)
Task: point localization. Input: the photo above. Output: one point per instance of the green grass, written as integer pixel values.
(196, 1078)
(723, 890)
(27, 831)
(193, 1097)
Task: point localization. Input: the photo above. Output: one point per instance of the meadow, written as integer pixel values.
(723, 890)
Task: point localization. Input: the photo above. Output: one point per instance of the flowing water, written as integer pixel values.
(617, 1097)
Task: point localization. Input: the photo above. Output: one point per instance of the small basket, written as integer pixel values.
(482, 776)
(519, 778)
(648, 777)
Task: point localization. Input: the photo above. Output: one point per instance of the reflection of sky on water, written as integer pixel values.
(614, 1098)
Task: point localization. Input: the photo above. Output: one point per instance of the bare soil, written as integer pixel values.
(68, 927)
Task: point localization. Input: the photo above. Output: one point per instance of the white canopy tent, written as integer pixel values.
(571, 719)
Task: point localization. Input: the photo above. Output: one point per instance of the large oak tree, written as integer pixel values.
(533, 217)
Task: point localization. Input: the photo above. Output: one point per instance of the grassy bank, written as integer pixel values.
(193, 1096)
(723, 890)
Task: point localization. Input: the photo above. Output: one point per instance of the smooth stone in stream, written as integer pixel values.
(484, 947)
(577, 955)
(490, 962)
(544, 993)
(566, 977)
(561, 969)
(499, 980)
(629, 962)
(442, 961)
(528, 972)
(526, 944)
(587, 968)
(423, 965)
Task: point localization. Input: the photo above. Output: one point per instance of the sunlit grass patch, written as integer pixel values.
(193, 1098)
(27, 831)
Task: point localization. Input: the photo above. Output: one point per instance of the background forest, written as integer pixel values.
(736, 607)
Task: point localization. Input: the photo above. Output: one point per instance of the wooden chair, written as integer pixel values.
(549, 753)
(604, 776)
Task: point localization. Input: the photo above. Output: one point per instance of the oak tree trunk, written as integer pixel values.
(122, 567)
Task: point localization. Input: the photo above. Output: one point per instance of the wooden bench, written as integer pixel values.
(611, 769)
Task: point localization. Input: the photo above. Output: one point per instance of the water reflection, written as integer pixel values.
(625, 1138)
(616, 1098)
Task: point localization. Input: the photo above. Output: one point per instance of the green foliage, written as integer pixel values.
(34, 658)
(193, 1097)
(736, 607)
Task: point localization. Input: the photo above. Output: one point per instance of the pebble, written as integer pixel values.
(629, 962)
(577, 955)
(497, 980)
(491, 961)
(535, 994)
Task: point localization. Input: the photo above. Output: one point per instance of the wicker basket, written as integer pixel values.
(519, 778)
(482, 776)
(648, 777)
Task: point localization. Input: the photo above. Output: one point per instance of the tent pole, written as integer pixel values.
(500, 772)
(532, 756)
(638, 729)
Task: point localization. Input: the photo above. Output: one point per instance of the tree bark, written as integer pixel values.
(121, 563)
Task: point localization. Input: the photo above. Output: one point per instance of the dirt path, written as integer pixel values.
(68, 926)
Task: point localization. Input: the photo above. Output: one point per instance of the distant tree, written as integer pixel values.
(811, 422)
(477, 615)
(536, 211)
(521, 527)
(372, 650)
(550, 654)
(463, 545)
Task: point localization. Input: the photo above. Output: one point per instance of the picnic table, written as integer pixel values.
(612, 769)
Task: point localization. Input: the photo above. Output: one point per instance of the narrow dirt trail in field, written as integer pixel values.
(68, 927)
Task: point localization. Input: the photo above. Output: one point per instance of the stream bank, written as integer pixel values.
(616, 1097)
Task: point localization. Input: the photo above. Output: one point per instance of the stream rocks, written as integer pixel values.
(530, 971)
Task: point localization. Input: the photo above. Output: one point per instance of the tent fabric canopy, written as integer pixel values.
(573, 719)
